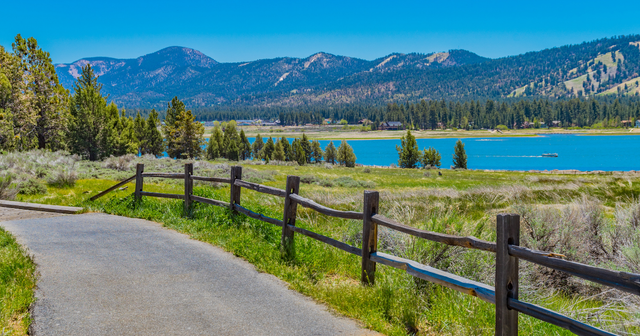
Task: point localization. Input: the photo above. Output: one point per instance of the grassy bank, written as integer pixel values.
(17, 283)
(590, 218)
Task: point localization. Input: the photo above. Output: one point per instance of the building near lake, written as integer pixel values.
(390, 125)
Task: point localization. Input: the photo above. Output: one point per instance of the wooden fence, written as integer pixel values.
(508, 252)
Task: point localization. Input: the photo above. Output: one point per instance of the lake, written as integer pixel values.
(608, 153)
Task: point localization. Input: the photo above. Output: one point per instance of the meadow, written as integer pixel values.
(592, 219)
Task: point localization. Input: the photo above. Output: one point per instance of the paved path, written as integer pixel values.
(110, 275)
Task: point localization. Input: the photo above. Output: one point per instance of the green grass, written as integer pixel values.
(458, 202)
(17, 283)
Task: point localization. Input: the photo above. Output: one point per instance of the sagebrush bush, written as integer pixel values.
(63, 178)
(32, 186)
(120, 163)
(7, 190)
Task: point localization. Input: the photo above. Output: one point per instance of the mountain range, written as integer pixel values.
(605, 66)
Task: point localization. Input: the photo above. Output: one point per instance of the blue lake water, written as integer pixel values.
(609, 153)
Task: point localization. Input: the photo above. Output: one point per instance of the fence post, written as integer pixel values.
(287, 250)
(139, 182)
(188, 187)
(369, 236)
(508, 233)
(236, 174)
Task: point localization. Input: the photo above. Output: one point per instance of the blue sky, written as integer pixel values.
(234, 31)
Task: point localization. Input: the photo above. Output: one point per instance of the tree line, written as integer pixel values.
(226, 142)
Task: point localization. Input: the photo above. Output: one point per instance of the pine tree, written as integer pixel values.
(47, 118)
(278, 153)
(317, 152)
(286, 147)
(257, 146)
(431, 158)
(140, 127)
(306, 146)
(346, 156)
(212, 148)
(267, 150)
(7, 135)
(217, 137)
(245, 146)
(230, 137)
(153, 142)
(88, 112)
(184, 136)
(459, 156)
(408, 152)
(330, 153)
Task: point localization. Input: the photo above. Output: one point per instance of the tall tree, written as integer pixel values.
(317, 152)
(257, 146)
(306, 146)
(267, 150)
(88, 112)
(459, 156)
(408, 152)
(245, 146)
(46, 120)
(346, 156)
(286, 147)
(184, 137)
(152, 142)
(278, 153)
(330, 153)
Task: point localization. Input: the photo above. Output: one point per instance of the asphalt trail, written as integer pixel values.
(109, 275)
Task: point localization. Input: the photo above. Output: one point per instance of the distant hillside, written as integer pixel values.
(605, 66)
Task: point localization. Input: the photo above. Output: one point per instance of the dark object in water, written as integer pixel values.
(550, 154)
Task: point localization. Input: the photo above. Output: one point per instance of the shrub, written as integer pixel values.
(32, 187)
(348, 182)
(308, 179)
(63, 178)
(7, 191)
(502, 127)
(367, 170)
(426, 174)
(120, 163)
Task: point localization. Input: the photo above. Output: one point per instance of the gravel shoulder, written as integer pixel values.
(102, 275)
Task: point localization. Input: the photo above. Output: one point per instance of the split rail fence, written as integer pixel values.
(508, 252)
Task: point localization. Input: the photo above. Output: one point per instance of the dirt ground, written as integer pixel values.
(9, 214)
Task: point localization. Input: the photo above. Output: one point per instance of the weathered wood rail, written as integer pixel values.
(508, 252)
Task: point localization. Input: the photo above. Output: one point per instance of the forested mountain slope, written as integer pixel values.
(605, 66)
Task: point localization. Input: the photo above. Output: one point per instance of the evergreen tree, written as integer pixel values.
(184, 137)
(213, 151)
(46, 119)
(286, 147)
(140, 127)
(459, 156)
(153, 142)
(267, 150)
(306, 146)
(408, 152)
(346, 156)
(217, 137)
(7, 135)
(230, 137)
(278, 153)
(330, 153)
(431, 158)
(88, 113)
(298, 152)
(317, 152)
(245, 146)
(257, 146)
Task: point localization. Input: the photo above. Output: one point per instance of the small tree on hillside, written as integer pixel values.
(330, 153)
(459, 156)
(431, 157)
(286, 147)
(408, 152)
(245, 146)
(346, 156)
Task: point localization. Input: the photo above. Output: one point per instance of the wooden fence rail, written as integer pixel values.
(508, 252)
